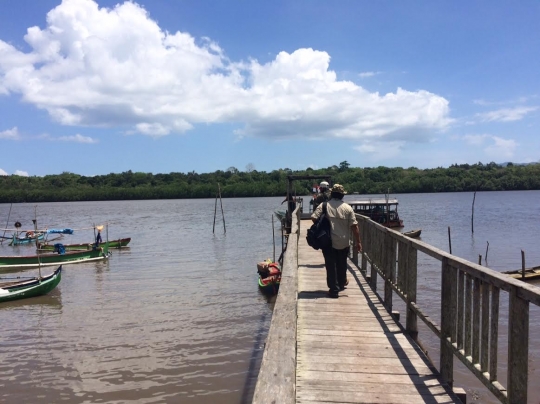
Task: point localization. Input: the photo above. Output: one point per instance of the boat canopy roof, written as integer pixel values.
(373, 202)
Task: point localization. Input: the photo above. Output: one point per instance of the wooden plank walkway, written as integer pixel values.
(350, 350)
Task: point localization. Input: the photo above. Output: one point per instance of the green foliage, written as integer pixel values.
(234, 183)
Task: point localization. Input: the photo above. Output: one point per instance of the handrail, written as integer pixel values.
(469, 323)
(276, 382)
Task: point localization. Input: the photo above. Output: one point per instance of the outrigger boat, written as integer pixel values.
(9, 262)
(29, 237)
(29, 287)
(383, 211)
(120, 243)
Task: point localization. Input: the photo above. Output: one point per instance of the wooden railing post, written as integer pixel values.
(389, 269)
(448, 316)
(365, 244)
(411, 279)
(518, 348)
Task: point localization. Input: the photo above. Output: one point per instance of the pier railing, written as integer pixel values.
(469, 307)
(276, 382)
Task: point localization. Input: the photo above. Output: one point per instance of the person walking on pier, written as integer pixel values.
(323, 196)
(342, 222)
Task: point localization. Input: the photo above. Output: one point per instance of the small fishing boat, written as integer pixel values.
(413, 233)
(58, 257)
(27, 238)
(120, 243)
(29, 287)
(383, 211)
(529, 274)
(269, 276)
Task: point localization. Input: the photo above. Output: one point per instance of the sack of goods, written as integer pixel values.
(319, 234)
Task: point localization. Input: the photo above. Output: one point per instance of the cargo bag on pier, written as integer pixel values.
(319, 234)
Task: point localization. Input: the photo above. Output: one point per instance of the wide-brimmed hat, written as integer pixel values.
(338, 189)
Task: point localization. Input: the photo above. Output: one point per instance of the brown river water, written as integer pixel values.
(178, 317)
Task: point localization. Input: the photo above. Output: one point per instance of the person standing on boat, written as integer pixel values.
(342, 222)
(323, 196)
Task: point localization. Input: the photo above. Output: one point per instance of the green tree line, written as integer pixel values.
(251, 183)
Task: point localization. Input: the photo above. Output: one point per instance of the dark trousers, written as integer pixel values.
(335, 262)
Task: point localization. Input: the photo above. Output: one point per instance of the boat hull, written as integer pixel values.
(530, 273)
(52, 259)
(30, 288)
(120, 243)
(413, 233)
(25, 240)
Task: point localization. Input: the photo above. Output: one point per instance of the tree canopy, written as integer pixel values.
(235, 183)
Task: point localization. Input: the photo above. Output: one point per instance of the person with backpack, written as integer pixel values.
(342, 222)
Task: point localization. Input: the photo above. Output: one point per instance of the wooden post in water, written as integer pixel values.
(449, 240)
(472, 216)
(522, 264)
(479, 259)
(37, 242)
(7, 223)
(273, 238)
(221, 204)
(215, 211)
(487, 249)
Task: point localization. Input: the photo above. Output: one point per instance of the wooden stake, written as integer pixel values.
(37, 243)
(479, 259)
(487, 249)
(222, 214)
(472, 216)
(449, 240)
(7, 223)
(215, 212)
(522, 264)
(273, 238)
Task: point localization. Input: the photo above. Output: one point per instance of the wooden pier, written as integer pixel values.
(354, 350)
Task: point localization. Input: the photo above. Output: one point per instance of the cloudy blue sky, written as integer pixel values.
(188, 85)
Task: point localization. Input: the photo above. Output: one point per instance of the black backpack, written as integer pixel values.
(319, 234)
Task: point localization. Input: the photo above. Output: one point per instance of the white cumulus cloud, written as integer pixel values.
(2, 172)
(21, 173)
(93, 66)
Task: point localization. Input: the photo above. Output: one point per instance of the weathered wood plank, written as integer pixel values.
(276, 382)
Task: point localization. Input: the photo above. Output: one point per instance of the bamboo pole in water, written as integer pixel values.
(221, 204)
(522, 264)
(7, 223)
(472, 216)
(215, 212)
(449, 240)
(37, 242)
(273, 238)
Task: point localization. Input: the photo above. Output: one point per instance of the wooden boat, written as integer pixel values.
(30, 287)
(383, 211)
(530, 273)
(29, 237)
(120, 243)
(413, 233)
(53, 259)
(269, 276)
